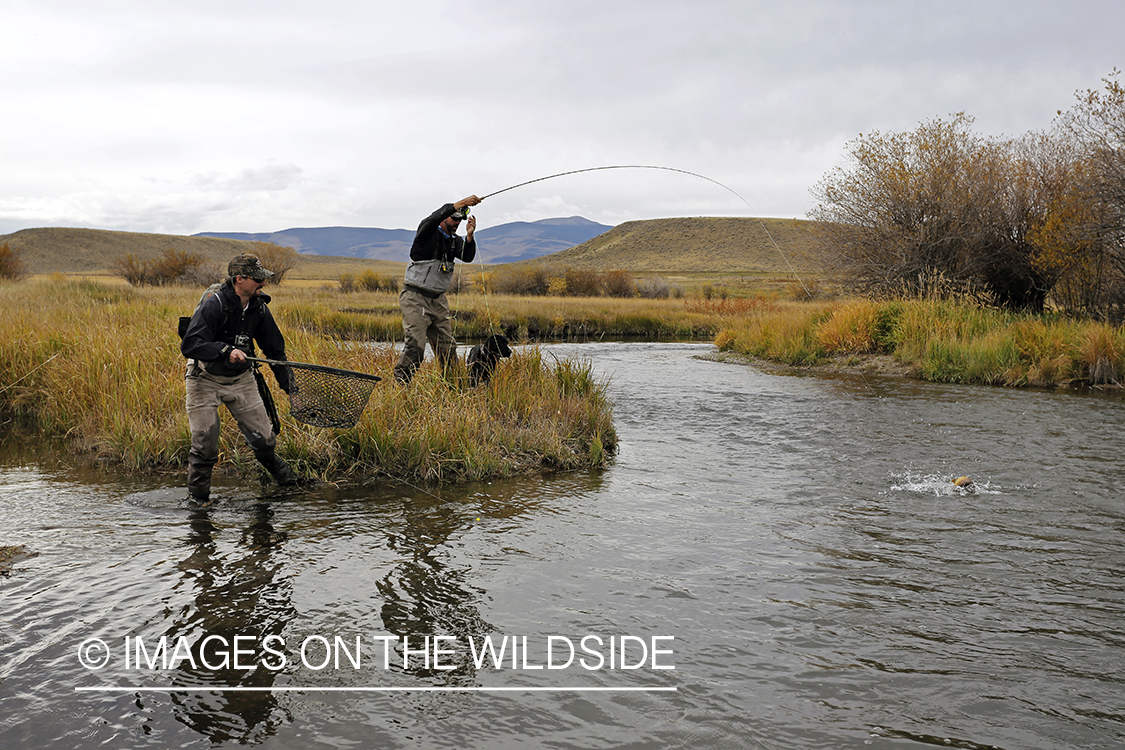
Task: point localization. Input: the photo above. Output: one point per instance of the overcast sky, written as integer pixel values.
(183, 116)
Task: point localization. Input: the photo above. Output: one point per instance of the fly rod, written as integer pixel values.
(665, 169)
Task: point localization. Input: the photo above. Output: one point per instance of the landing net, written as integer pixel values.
(323, 396)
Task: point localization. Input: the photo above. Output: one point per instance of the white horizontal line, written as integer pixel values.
(289, 689)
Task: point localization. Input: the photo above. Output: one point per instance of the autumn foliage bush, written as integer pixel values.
(11, 265)
(543, 280)
(170, 267)
(1026, 223)
(184, 268)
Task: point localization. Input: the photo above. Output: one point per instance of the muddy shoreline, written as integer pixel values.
(883, 365)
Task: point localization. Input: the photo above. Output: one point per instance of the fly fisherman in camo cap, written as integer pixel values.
(218, 340)
(425, 308)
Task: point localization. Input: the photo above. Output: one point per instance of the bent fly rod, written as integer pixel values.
(665, 169)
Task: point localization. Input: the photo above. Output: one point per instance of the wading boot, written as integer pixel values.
(278, 469)
(199, 478)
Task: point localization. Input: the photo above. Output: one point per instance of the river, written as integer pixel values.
(771, 561)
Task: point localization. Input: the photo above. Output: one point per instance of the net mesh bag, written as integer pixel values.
(327, 396)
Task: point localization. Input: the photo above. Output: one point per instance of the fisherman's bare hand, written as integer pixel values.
(472, 227)
(237, 356)
(472, 200)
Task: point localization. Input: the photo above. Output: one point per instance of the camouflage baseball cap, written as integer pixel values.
(248, 265)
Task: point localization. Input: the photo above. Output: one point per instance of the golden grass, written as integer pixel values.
(101, 366)
(937, 340)
(852, 328)
(375, 316)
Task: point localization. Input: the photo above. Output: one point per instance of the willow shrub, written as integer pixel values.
(941, 340)
(101, 366)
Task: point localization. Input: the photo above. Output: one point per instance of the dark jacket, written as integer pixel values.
(431, 244)
(216, 325)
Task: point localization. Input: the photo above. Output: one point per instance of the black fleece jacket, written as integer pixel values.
(431, 244)
(219, 320)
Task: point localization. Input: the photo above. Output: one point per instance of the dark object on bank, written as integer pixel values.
(323, 396)
(484, 357)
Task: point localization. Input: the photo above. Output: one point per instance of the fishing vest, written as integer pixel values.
(430, 275)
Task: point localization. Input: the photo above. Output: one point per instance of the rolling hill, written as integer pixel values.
(699, 244)
(93, 251)
(688, 245)
(523, 240)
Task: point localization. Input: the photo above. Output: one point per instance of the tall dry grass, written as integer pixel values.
(940, 340)
(375, 316)
(101, 367)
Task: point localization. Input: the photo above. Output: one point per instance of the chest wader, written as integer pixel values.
(433, 276)
(206, 391)
(427, 317)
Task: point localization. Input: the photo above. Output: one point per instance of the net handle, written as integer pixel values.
(318, 368)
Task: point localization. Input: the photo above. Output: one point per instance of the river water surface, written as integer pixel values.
(791, 545)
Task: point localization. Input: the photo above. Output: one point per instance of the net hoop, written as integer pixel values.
(322, 396)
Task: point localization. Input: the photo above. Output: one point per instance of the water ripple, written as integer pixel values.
(799, 538)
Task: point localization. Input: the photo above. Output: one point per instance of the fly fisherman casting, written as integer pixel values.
(218, 340)
(425, 307)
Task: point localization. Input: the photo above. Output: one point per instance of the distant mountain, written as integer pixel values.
(353, 242)
(520, 240)
(523, 240)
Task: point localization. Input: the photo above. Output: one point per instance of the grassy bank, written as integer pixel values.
(374, 316)
(934, 340)
(101, 366)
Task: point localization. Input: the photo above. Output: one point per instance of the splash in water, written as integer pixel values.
(942, 485)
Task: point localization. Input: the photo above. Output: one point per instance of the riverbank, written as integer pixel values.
(100, 366)
(936, 340)
(882, 365)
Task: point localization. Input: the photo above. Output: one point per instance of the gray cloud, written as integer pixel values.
(257, 116)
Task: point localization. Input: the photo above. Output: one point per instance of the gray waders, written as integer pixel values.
(239, 393)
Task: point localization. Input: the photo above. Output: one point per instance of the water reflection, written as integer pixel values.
(424, 595)
(428, 592)
(232, 595)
